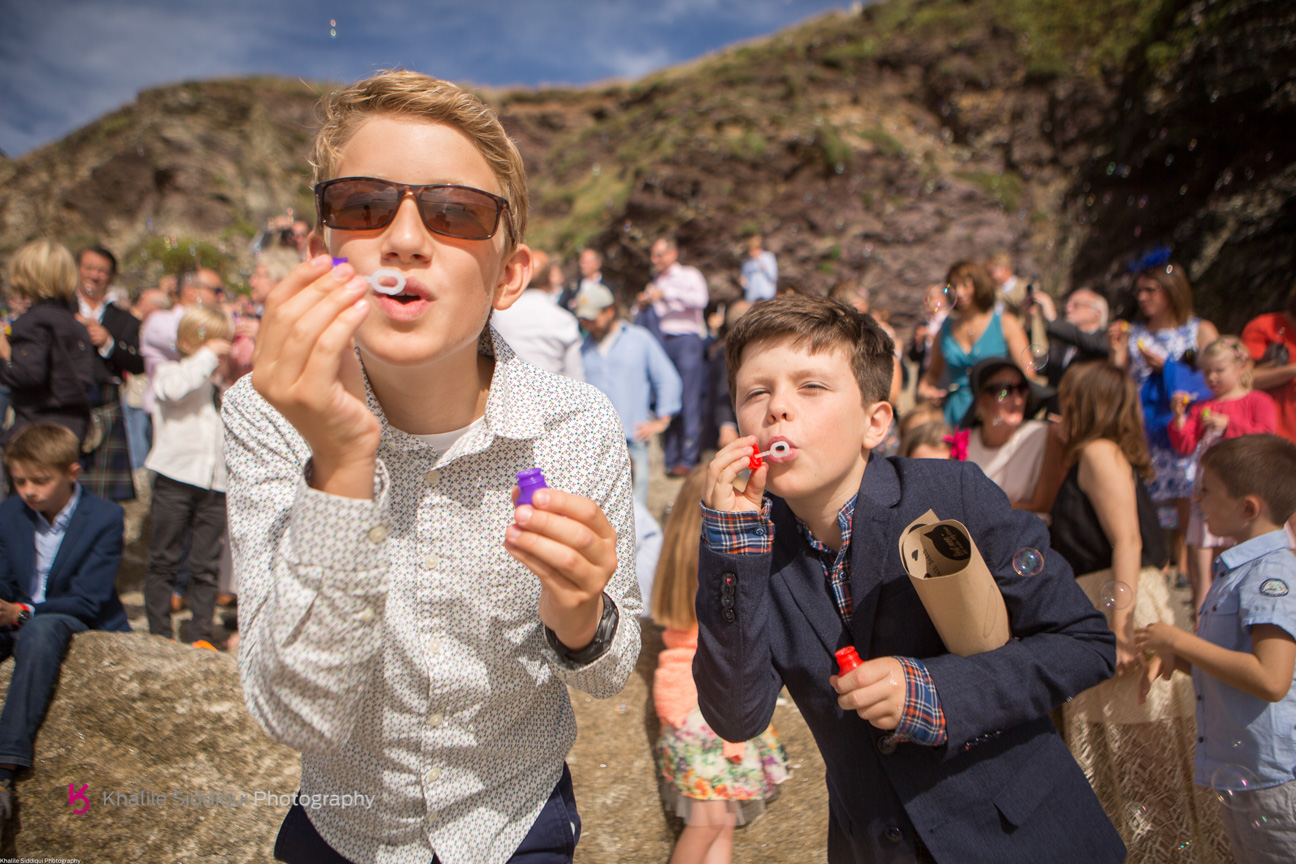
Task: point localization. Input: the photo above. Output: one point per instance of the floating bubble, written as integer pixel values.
(1139, 817)
(1232, 783)
(1028, 562)
(1116, 596)
(941, 299)
(1184, 846)
(1034, 357)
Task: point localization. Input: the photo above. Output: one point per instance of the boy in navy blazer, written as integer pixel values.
(59, 551)
(930, 756)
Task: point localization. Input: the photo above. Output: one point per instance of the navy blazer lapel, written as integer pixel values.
(873, 544)
(76, 527)
(804, 578)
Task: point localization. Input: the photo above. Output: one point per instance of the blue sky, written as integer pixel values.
(63, 63)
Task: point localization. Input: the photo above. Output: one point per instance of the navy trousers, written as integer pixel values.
(551, 840)
(37, 648)
(682, 443)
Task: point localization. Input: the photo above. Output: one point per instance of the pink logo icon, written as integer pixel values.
(76, 795)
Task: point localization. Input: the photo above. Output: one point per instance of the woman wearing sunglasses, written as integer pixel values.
(404, 625)
(1009, 447)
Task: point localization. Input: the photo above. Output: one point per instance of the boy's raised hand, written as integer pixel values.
(304, 365)
(875, 690)
(719, 493)
(1157, 638)
(570, 545)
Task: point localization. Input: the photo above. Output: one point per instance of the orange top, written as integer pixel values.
(674, 692)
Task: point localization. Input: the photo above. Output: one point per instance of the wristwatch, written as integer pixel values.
(24, 615)
(598, 647)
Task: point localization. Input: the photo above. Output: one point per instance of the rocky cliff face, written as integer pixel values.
(881, 145)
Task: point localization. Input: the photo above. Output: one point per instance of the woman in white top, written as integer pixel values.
(1009, 448)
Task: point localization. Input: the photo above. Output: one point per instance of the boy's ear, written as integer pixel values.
(1253, 506)
(316, 242)
(514, 277)
(879, 423)
(73, 472)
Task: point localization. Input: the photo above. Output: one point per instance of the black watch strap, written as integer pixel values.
(24, 615)
(603, 636)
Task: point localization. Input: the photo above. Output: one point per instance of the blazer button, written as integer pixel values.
(893, 834)
(729, 579)
(728, 615)
(886, 745)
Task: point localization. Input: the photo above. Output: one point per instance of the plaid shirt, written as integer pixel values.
(748, 532)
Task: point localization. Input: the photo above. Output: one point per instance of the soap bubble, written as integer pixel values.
(941, 298)
(1116, 596)
(1232, 783)
(1034, 357)
(1139, 817)
(1028, 562)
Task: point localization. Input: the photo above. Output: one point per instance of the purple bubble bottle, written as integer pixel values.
(528, 482)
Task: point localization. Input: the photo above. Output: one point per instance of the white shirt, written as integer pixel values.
(684, 297)
(158, 344)
(49, 537)
(1014, 467)
(396, 643)
(542, 333)
(188, 436)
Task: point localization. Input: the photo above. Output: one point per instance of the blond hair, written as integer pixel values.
(410, 94)
(1232, 348)
(44, 445)
(43, 270)
(198, 324)
(675, 585)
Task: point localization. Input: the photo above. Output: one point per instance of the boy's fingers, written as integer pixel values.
(559, 567)
(566, 534)
(282, 318)
(577, 508)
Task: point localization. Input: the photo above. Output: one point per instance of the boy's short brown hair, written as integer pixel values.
(420, 97)
(1259, 465)
(45, 445)
(820, 324)
(43, 270)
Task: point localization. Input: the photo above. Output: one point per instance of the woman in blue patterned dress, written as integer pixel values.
(1165, 329)
(973, 331)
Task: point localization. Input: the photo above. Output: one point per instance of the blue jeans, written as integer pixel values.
(37, 648)
(639, 468)
(139, 434)
(682, 443)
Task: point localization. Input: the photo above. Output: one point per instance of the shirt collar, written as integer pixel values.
(64, 516)
(845, 516)
(1256, 547)
(512, 409)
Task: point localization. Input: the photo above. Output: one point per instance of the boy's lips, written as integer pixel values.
(409, 305)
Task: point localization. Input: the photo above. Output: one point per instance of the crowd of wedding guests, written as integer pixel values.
(1101, 425)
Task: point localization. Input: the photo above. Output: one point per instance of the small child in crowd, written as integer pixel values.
(60, 546)
(1235, 409)
(930, 756)
(188, 461)
(927, 441)
(1243, 657)
(712, 784)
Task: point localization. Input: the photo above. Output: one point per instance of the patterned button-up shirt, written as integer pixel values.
(396, 643)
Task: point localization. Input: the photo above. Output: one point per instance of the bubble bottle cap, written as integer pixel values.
(754, 462)
(847, 659)
(528, 482)
(337, 261)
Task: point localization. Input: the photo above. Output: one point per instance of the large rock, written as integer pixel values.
(139, 714)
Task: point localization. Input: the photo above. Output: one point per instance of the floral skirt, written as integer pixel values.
(692, 767)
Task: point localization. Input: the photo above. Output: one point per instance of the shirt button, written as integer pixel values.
(893, 834)
(378, 534)
(366, 615)
(432, 477)
(1201, 740)
(886, 745)
(728, 615)
(434, 719)
(433, 644)
(431, 561)
(431, 775)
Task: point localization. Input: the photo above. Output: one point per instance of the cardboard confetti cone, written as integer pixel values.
(954, 584)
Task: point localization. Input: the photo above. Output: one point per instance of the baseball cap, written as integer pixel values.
(591, 301)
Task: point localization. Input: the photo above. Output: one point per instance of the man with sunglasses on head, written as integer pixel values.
(404, 625)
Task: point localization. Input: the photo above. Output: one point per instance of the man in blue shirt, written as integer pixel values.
(629, 365)
(759, 277)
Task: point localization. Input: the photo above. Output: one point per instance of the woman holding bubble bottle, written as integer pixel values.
(1138, 758)
(972, 331)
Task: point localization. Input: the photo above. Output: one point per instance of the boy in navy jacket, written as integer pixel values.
(60, 547)
(930, 756)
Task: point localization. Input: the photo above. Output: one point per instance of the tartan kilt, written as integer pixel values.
(107, 468)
